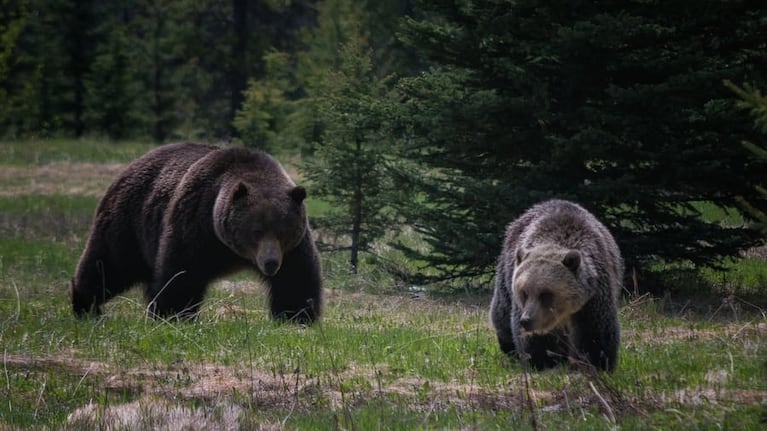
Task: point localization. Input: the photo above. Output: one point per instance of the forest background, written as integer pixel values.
(441, 119)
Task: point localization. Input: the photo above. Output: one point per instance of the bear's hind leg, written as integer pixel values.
(96, 281)
(180, 295)
(295, 292)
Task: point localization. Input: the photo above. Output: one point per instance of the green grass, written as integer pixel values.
(373, 359)
(379, 359)
(739, 276)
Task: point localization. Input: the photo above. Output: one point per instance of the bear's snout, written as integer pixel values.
(526, 322)
(269, 257)
(271, 266)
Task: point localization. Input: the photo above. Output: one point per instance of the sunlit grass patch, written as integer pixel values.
(745, 276)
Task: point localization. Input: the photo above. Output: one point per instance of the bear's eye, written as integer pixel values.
(546, 299)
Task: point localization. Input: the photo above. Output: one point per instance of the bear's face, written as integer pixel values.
(545, 288)
(260, 225)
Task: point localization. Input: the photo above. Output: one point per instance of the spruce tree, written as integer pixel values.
(263, 119)
(44, 82)
(13, 15)
(753, 100)
(111, 87)
(616, 105)
(347, 168)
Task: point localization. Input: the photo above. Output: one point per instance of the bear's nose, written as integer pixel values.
(526, 322)
(271, 266)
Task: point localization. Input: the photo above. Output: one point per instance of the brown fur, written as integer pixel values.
(185, 214)
(557, 285)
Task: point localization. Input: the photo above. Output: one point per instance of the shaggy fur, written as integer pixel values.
(185, 214)
(557, 285)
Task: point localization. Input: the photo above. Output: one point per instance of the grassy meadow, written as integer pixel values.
(381, 358)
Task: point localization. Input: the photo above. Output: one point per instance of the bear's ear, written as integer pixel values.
(572, 260)
(520, 255)
(240, 191)
(298, 194)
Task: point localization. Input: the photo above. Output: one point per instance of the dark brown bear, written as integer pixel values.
(185, 214)
(557, 285)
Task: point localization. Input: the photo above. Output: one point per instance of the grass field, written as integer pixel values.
(378, 359)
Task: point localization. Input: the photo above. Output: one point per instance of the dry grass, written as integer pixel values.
(668, 335)
(58, 178)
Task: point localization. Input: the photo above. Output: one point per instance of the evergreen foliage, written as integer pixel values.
(110, 88)
(12, 21)
(333, 100)
(753, 100)
(280, 105)
(159, 69)
(348, 165)
(263, 121)
(616, 105)
(501, 104)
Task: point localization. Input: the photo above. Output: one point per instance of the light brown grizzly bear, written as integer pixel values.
(185, 214)
(557, 285)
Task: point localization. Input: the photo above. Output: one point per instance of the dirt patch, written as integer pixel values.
(59, 178)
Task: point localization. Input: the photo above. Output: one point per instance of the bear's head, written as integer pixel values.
(260, 224)
(546, 288)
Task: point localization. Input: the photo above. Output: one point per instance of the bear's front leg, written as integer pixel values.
(597, 335)
(500, 315)
(186, 262)
(295, 292)
(544, 351)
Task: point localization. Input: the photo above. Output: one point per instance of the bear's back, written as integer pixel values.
(569, 226)
(160, 169)
(250, 166)
(141, 193)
